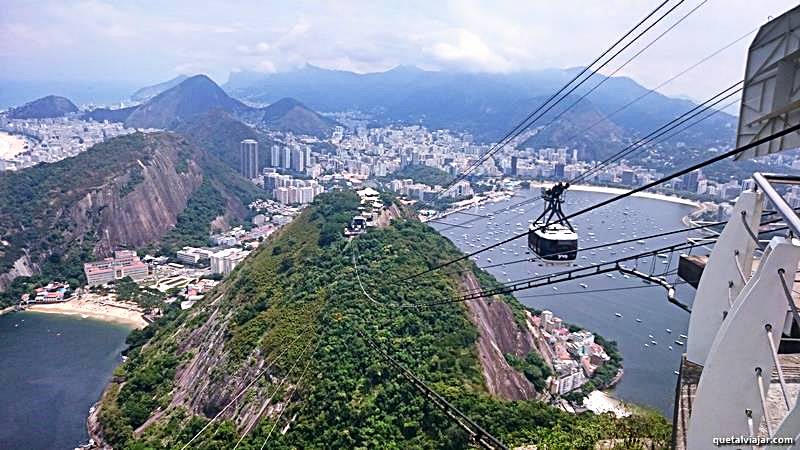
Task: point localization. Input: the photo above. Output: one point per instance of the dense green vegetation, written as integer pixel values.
(41, 215)
(135, 177)
(31, 213)
(431, 176)
(533, 367)
(193, 223)
(128, 290)
(301, 285)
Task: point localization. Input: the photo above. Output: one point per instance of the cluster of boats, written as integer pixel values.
(680, 342)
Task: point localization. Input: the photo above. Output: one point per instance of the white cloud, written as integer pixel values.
(468, 50)
(148, 39)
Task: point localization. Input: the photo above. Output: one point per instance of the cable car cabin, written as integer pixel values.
(555, 242)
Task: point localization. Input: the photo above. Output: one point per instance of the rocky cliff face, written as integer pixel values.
(143, 215)
(125, 192)
(499, 335)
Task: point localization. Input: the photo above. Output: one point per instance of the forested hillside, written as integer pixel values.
(127, 192)
(274, 353)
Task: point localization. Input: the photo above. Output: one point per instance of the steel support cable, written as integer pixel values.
(246, 388)
(656, 136)
(522, 126)
(692, 168)
(762, 396)
(662, 138)
(652, 253)
(547, 279)
(318, 341)
(616, 262)
(628, 61)
(775, 360)
(475, 431)
(653, 138)
(664, 83)
(274, 392)
(593, 291)
(788, 292)
(667, 127)
(567, 275)
(291, 392)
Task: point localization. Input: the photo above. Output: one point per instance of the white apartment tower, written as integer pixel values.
(249, 158)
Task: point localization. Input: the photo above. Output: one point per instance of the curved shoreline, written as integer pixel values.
(92, 310)
(617, 191)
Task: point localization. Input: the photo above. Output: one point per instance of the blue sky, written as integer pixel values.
(150, 41)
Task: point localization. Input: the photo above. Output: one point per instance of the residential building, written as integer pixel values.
(248, 150)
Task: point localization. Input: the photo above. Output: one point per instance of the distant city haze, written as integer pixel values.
(115, 47)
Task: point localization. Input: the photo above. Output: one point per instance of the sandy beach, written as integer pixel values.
(617, 191)
(109, 311)
(599, 402)
(11, 145)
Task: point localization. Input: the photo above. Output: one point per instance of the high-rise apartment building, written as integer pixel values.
(248, 150)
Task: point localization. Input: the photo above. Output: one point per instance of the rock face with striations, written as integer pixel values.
(125, 192)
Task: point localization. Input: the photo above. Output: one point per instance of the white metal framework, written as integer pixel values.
(771, 96)
(723, 278)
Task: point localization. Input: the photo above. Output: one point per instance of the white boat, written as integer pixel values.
(683, 336)
(583, 285)
(679, 342)
(669, 347)
(638, 320)
(653, 343)
(668, 330)
(618, 314)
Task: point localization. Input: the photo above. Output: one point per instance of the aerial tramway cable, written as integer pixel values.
(719, 157)
(628, 61)
(524, 124)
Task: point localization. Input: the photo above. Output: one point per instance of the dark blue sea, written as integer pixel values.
(52, 369)
(649, 379)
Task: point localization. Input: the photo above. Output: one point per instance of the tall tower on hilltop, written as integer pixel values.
(249, 157)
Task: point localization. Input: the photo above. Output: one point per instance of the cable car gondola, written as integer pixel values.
(553, 240)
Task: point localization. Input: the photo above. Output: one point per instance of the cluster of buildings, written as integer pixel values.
(292, 155)
(288, 190)
(369, 209)
(574, 356)
(51, 293)
(196, 290)
(425, 193)
(124, 263)
(51, 140)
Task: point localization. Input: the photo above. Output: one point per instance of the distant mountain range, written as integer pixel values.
(43, 108)
(198, 96)
(486, 105)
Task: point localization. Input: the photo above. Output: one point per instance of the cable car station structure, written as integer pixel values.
(740, 375)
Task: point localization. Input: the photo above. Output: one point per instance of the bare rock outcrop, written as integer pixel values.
(498, 335)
